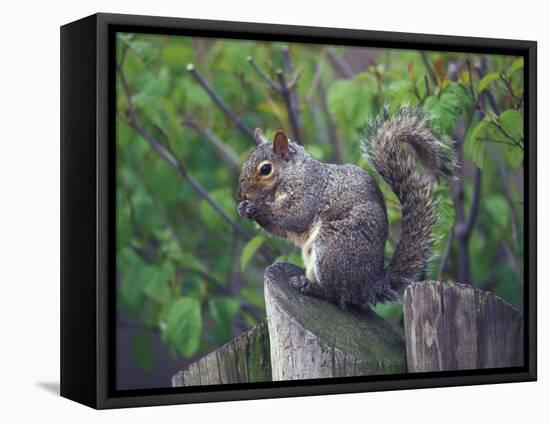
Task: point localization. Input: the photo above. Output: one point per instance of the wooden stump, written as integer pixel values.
(452, 327)
(243, 359)
(313, 339)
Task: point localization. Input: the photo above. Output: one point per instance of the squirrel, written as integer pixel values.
(337, 213)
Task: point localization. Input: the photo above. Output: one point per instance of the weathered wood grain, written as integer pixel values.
(455, 327)
(311, 339)
(243, 359)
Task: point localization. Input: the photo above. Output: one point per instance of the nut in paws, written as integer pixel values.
(248, 209)
(300, 283)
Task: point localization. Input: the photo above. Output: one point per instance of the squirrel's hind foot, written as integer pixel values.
(301, 284)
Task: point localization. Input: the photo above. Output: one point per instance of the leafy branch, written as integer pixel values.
(285, 88)
(168, 155)
(216, 98)
(226, 152)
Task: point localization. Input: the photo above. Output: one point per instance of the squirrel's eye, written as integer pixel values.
(265, 169)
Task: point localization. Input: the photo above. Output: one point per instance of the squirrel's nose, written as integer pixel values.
(241, 196)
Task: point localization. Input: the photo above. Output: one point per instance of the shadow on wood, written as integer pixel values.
(452, 327)
(243, 359)
(312, 339)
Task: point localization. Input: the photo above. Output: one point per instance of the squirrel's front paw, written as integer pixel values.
(300, 283)
(247, 209)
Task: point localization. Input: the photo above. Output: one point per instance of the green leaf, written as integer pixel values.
(142, 351)
(508, 287)
(463, 95)
(193, 96)
(514, 156)
(183, 325)
(253, 297)
(192, 285)
(350, 102)
(191, 262)
(399, 93)
(514, 67)
(512, 122)
(316, 151)
(249, 249)
(162, 181)
(177, 56)
(144, 50)
(445, 223)
(295, 259)
(157, 286)
(130, 267)
(210, 216)
(146, 216)
(498, 209)
(154, 85)
(389, 311)
(124, 230)
(444, 109)
(445, 211)
(223, 310)
(475, 143)
(486, 80)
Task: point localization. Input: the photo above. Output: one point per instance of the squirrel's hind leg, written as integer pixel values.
(303, 285)
(350, 256)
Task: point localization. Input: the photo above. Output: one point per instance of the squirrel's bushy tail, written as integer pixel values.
(385, 149)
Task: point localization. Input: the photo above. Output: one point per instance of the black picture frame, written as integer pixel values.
(87, 209)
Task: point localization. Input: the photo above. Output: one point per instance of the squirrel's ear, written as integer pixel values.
(280, 144)
(259, 136)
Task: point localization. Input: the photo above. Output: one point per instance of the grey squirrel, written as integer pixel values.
(337, 213)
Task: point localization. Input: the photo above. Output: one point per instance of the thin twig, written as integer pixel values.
(466, 230)
(463, 259)
(125, 47)
(515, 254)
(292, 83)
(516, 262)
(500, 142)
(463, 225)
(219, 102)
(337, 153)
(314, 83)
(446, 254)
(504, 132)
(427, 84)
(292, 95)
(343, 67)
(494, 119)
(263, 75)
(509, 88)
(488, 94)
(429, 68)
(292, 115)
(285, 89)
(227, 153)
(470, 76)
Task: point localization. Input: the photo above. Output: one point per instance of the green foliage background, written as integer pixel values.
(185, 274)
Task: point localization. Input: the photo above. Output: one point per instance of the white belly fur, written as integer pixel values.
(306, 242)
